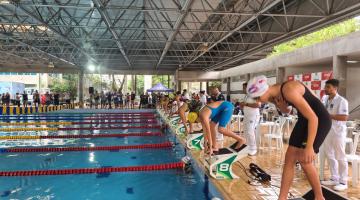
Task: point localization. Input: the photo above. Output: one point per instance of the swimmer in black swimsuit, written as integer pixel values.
(310, 131)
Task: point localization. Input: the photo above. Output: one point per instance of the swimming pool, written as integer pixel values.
(166, 184)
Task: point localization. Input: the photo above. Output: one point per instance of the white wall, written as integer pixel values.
(353, 89)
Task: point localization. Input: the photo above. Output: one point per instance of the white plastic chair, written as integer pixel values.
(276, 133)
(354, 159)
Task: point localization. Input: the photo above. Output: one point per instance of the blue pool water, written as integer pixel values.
(168, 184)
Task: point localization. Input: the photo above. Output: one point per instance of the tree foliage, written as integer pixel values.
(324, 34)
(67, 84)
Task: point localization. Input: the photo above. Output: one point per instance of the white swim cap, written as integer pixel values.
(257, 86)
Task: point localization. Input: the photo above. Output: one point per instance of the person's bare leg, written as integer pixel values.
(313, 179)
(213, 135)
(288, 172)
(190, 127)
(205, 122)
(182, 110)
(227, 132)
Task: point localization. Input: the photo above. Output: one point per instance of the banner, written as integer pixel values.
(314, 81)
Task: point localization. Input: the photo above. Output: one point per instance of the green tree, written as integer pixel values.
(139, 84)
(163, 79)
(321, 35)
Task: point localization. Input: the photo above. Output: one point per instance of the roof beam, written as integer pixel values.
(244, 24)
(104, 15)
(38, 50)
(30, 14)
(179, 22)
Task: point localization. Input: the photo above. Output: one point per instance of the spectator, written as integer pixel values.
(203, 98)
(121, 100)
(25, 99)
(133, 100)
(334, 144)
(96, 98)
(109, 98)
(36, 98)
(3, 98)
(91, 100)
(185, 95)
(7, 99)
(67, 98)
(56, 99)
(17, 99)
(216, 95)
(103, 100)
(47, 99)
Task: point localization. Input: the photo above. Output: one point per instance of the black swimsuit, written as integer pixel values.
(299, 134)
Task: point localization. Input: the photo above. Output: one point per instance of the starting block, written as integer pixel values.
(174, 121)
(180, 129)
(220, 165)
(195, 141)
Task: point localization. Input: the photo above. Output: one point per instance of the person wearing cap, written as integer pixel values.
(334, 144)
(213, 114)
(251, 109)
(309, 133)
(188, 106)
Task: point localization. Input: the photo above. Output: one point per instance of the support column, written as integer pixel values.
(81, 88)
(207, 87)
(280, 75)
(178, 86)
(228, 84)
(201, 86)
(125, 87)
(339, 72)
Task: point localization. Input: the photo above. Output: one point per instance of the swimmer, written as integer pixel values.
(219, 112)
(309, 133)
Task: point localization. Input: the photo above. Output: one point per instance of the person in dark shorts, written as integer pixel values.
(309, 133)
(25, 99)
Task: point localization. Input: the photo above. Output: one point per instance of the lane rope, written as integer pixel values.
(83, 118)
(164, 166)
(150, 121)
(36, 137)
(77, 128)
(84, 148)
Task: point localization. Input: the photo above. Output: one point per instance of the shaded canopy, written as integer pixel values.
(160, 88)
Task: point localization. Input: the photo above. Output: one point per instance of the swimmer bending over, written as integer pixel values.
(309, 133)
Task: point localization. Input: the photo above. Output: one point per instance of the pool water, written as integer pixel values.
(167, 184)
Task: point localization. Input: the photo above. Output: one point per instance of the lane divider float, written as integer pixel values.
(36, 137)
(150, 121)
(158, 167)
(83, 148)
(77, 128)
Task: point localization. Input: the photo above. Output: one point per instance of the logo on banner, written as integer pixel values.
(326, 75)
(291, 78)
(315, 85)
(306, 77)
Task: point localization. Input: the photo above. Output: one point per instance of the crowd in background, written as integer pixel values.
(49, 98)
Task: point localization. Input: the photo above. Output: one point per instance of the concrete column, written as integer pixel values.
(280, 75)
(207, 87)
(81, 88)
(339, 72)
(201, 88)
(228, 84)
(178, 86)
(125, 87)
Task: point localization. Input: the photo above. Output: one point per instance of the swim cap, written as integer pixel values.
(257, 86)
(192, 117)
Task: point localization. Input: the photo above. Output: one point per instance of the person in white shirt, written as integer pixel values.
(185, 95)
(203, 98)
(251, 109)
(334, 144)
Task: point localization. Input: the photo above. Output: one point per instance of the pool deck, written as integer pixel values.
(271, 161)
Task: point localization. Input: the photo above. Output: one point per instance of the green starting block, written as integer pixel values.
(195, 141)
(220, 165)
